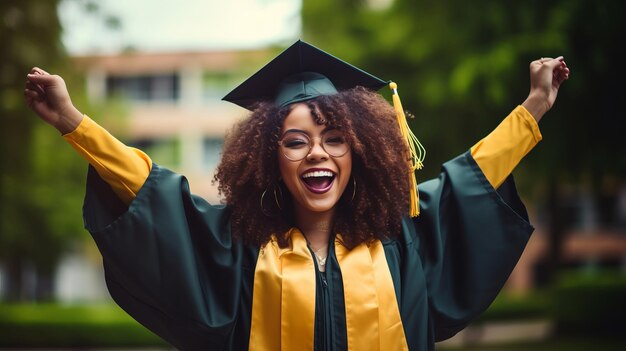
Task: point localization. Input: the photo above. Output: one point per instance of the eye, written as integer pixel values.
(334, 138)
(295, 141)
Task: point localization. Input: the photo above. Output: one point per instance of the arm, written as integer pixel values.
(125, 169)
(169, 259)
(469, 235)
(499, 152)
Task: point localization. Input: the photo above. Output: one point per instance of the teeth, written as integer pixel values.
(318, 174)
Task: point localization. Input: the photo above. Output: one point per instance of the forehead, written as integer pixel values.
(301, 118)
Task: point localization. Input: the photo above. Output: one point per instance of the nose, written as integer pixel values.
(317, 152)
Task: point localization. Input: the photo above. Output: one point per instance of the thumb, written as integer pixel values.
(37, 70)
(43, 79)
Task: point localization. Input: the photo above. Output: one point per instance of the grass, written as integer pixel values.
(558, 344)
(512, 307)
(53, 325)
(576, 305)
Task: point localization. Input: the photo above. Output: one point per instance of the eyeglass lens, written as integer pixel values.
(296, 146)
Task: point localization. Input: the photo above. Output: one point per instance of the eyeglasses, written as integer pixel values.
(297, 145)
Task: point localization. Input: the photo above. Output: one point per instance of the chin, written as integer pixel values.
(317, 202)
(321, 206)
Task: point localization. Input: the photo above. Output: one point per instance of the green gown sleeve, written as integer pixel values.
(469, 237)
(169, 259)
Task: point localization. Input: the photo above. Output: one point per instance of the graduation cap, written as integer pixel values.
(303, 72)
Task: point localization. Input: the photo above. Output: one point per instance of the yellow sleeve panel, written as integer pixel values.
(124, 168)
(500, 151)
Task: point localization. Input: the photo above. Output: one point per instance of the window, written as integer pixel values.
(144, 88)
(164, 152)
(217, 84)
(211, 152)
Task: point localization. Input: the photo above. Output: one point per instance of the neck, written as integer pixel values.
(316, 226)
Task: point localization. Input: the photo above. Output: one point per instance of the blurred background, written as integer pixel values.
(153, 73)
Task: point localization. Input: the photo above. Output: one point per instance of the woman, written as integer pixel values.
(314, 248)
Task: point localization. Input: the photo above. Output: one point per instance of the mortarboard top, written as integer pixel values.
(301, 72)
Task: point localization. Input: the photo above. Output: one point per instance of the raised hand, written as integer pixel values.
(48, 97)
(546, 77)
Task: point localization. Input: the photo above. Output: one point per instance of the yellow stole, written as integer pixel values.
(283, 302)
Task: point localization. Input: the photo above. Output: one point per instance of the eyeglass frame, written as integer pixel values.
(311, 144)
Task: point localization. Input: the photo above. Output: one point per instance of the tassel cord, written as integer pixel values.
(417, 152)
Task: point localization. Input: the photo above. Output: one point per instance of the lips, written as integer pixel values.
(318, 181)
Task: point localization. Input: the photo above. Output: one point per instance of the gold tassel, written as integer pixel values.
(416, 150)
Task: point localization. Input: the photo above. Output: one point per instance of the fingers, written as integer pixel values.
(557, 65)
(32, 86)
(41, 77)
(561, 74)
(561, 71)
(545, 59)
(553, 63)
(39, 80)
(32, 95)
(37, 88)
(37, 70)
(542, 60)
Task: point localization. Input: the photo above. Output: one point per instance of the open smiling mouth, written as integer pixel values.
(318, 182)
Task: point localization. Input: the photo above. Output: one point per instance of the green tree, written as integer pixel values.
(29, 36)
(463, 65)
(41, 179)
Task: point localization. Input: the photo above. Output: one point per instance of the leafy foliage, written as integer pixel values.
(41, 178)
(590, 304)
(77, 326)
(462, 66)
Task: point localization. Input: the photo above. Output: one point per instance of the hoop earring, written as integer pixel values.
(276, 201)
(276, 197)
(263, 210)
(353, 188)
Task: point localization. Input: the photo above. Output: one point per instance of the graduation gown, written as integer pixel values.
(171, 263)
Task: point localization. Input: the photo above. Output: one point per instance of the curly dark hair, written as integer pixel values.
(249, 167)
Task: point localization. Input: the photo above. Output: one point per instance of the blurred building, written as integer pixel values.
(592, 234)
(173, 105)
(172, 110)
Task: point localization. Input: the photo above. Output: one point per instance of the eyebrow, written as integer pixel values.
(293, 130)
